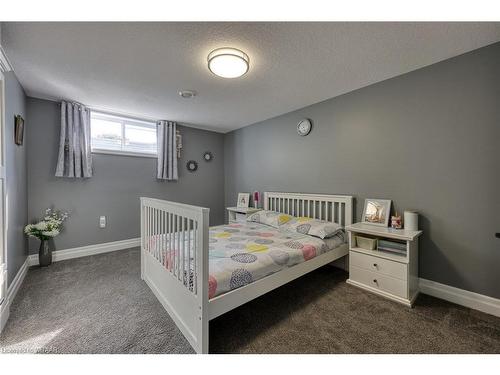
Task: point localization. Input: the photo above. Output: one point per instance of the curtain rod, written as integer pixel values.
(111, 112)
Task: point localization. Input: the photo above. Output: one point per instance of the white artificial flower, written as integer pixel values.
(28, 228)
(54, 223)
(42, 225)
(51, 233)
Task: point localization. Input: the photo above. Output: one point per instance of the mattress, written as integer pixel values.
(240, 254)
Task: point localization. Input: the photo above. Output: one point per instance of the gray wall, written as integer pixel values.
(117, 184)
(428, 140)
(16, 168)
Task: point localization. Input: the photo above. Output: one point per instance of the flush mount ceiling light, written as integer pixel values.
(228, 62)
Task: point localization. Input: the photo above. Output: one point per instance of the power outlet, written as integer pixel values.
(102, 221)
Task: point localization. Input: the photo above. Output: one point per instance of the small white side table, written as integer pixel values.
(394, 276)
(240, 214)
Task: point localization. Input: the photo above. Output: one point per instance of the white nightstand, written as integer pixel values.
(240, 214)
(392, 275)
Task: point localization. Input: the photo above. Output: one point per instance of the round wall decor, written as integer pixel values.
(304, 127)
(192, 166)
(207, 156)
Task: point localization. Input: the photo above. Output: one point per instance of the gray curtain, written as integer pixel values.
(167, 150)
(75, 158)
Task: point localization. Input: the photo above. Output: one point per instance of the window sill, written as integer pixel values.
(124, 153)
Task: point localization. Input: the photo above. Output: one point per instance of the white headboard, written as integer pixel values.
(335, 208)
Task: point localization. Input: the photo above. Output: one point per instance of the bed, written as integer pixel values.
(199, 273)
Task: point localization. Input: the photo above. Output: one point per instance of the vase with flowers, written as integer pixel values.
(45, 230)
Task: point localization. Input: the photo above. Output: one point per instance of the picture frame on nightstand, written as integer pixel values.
(243, 200)
(376, 212)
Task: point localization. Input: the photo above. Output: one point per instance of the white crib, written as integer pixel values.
(174, 257)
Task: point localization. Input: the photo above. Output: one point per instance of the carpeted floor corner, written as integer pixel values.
(99, 304)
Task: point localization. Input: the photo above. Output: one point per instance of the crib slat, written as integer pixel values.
(153, 240)
(189, 249)
(158, 234)
(183, 239)
(169, 264)
(164, 238)
(143, 226)
(178, 234)
(178, 246)
(171, 254)
(195, 263)
(172, 249)
(146, 218)
(195, 256)
(153, 244)
(151, 230)
(175, 248)
(150, 223)
(155, 230)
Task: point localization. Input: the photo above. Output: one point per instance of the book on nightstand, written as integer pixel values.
(392, 247)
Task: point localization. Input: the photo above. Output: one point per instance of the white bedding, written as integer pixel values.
(240, 254)
(243, 253)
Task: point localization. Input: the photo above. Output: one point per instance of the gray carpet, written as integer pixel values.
(98, 304)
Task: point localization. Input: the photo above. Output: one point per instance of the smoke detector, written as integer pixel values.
(187, 94)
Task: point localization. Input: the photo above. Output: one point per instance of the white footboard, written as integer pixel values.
(174, 263)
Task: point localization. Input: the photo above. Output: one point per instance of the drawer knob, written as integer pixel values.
(374, 264)
(375, 281)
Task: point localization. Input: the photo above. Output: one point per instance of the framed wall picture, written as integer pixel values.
(376, 212)
(19, 130)
(243, 200)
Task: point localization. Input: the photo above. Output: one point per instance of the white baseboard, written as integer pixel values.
(11, 293)
(462, 297)
(78, 252)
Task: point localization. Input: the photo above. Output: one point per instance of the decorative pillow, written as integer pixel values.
(271, 218)
(313, 227)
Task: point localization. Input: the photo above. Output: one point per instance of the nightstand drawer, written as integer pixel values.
(378, 281)
(379, 265)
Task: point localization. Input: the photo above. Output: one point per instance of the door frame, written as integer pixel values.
(3, 247)
(5, 66)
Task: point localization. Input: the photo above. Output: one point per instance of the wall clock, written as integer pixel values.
(304, 127)
(207, 156)
(192, 166)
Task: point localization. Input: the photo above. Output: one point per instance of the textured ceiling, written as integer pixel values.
(138, 68)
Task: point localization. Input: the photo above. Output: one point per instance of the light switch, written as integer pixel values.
(102, 221)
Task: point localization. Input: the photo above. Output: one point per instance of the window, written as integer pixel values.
(122, 135)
